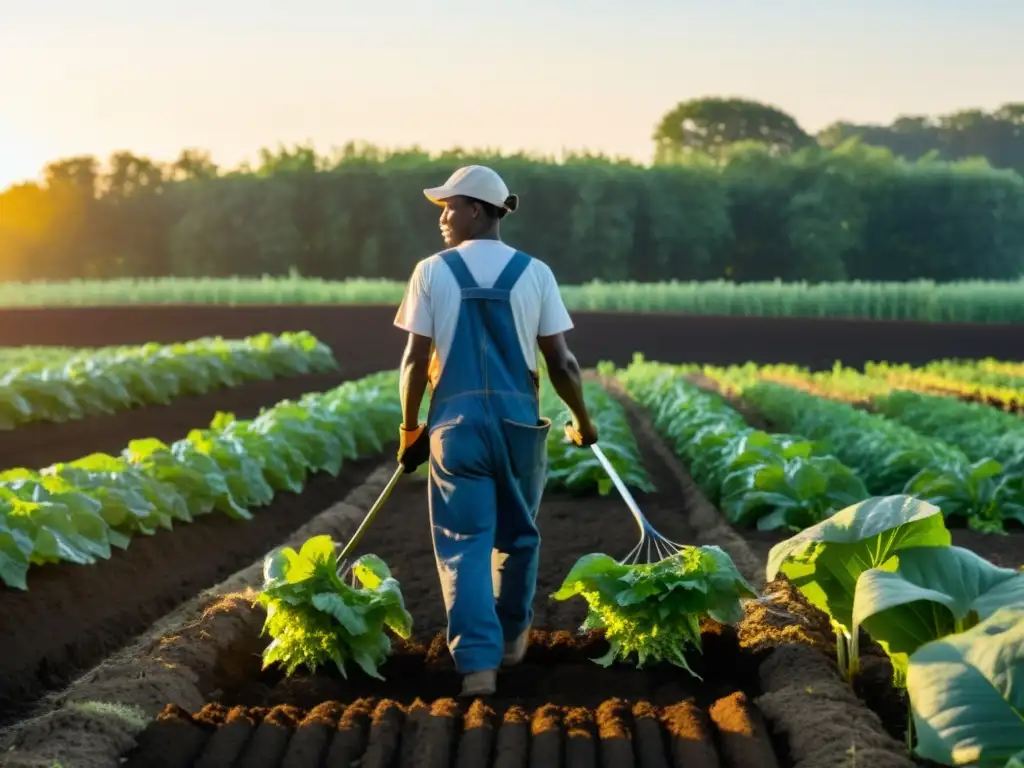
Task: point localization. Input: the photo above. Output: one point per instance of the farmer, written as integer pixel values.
(476, 314)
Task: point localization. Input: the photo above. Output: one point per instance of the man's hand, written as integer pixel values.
(413, 447)
(582, 433)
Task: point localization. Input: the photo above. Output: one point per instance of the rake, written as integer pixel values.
(342, 563)
(652, 547)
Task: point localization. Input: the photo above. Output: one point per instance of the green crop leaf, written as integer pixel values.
(655, 610)
(825, 561)
(578, 470)
(934, 592)
(771, 481)
(76, 511)
(15, 551)
(316, 618)
(967, 693)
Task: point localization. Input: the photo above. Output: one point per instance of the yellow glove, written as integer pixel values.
(413, 447)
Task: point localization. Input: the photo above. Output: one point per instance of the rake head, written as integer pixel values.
(652, 547)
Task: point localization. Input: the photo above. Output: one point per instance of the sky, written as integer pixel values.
(232, 76)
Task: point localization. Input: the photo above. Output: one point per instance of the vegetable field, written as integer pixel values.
(851, 549)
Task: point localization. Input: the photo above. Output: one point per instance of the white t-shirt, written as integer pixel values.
(432, 298)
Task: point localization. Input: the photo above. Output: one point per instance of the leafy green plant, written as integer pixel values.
(776, 482)
(118, 378)
(967, 693)
(314, 617)
(891, 458)
(76, 511)
(577, 469)
(655, 610)
(825, 561)
(978, 430)
(933, 592)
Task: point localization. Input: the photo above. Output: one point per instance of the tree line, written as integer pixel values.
(746, 197)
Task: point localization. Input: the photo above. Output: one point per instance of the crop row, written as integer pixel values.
(963, 381)
(979, 431)
(118, 378)
(773, 481)
(77, 511)
(858, 453)
(578, 470)
(967, 457)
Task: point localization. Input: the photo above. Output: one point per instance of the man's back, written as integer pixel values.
(431, 304)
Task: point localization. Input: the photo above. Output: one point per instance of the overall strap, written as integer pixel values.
(513, 271)
(458, 267)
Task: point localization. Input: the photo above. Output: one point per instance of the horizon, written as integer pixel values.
(240, 78)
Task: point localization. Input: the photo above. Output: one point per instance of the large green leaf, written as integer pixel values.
(967, 693)
(933, 592)
(825, 561)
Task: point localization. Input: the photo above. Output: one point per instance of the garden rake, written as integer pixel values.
(652, 547)
(342, 561)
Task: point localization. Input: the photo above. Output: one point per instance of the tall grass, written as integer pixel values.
(973, 301)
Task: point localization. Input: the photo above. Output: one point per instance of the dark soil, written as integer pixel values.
(366, 334)
(39, 445)
(556, 709)
(72, 616)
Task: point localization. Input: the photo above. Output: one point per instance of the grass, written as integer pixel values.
(975, 301)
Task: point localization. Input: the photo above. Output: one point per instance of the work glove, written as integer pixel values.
(581, 434)
(413, 447)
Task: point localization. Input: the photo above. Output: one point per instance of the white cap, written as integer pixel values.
(476, 181)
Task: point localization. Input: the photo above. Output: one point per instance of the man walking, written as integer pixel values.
(476, 315)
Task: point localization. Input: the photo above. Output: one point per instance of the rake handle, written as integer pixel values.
(645, 527)
(352, 542)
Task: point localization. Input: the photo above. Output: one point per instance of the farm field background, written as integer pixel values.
(804, 350)
(973, 301)
(195, 492)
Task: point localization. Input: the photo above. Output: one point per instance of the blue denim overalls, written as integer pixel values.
(488, 466)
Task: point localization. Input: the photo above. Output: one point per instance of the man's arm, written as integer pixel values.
(567, 379)
(413, 378)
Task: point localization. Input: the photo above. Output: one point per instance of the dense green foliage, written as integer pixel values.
(978, 430)
(850, 213)
(77, 511)
(952, 622)
(119, 378)
(654, 610)
(578, 470)
(827, 560)
(892, 458)
(973, 301)
(773, 482)
(316, 618)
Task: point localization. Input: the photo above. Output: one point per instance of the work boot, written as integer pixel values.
(482, 683)
(516, 650)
